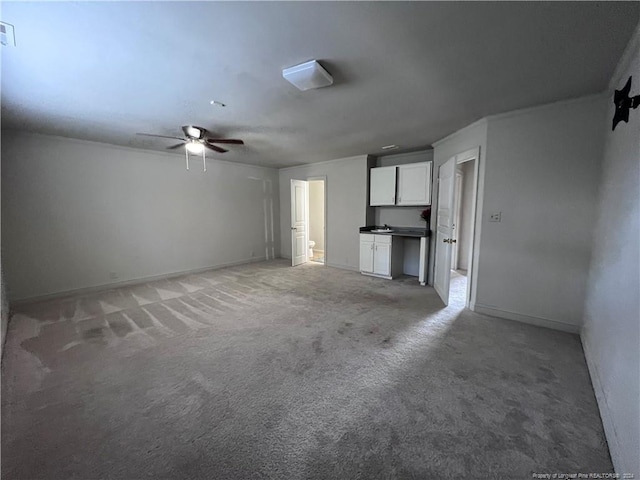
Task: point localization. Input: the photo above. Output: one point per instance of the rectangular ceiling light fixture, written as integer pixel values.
(307, 75)
(7, 35)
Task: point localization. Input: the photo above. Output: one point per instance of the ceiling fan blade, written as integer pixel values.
(186, 129)
(217, 149)
(225, 140)
(173, 147)
(159, 136)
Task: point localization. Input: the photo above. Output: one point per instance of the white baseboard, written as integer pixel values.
(343, 267)
(603, 407)
(518, 317)
(126, 283)
(334, 265)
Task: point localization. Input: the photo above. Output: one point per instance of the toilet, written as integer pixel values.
(311, 245)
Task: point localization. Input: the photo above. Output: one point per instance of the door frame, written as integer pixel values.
(326, 204)
(469, 156)
(472, 276)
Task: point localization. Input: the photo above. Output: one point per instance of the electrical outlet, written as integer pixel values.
(252, 254)
(495, 217)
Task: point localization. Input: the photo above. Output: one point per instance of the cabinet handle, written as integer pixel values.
(372, 246)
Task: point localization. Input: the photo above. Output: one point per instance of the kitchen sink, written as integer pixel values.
(382, 230)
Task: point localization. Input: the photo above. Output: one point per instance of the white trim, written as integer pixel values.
(518, 317)
(625, 60)
(459, 132)
(133, 149)
(135, 281)
(603, 406)
(468, 155)
(546, 106)
(306, 165)
(342, 267)
(417, 153)
(385, 277)
(522, 111)
(474, 250)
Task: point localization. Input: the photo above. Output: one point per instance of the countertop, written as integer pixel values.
(400, 231)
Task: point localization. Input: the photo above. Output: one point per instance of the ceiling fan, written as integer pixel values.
(195, 141)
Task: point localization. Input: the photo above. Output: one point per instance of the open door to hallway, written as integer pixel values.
(455, 223)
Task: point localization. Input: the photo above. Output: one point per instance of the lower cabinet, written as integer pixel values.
(380, 256)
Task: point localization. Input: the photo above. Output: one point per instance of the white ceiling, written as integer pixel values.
(407, 73)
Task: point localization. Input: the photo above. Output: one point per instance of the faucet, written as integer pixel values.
(387, 227)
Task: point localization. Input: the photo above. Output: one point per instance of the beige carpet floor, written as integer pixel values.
(265, 371)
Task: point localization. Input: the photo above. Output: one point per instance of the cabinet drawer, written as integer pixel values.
(386, 239)
(367, 237)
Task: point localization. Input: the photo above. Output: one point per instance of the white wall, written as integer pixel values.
(611, 332)
(316, 213)
(346, 190)
(542, 172)
(76, 214)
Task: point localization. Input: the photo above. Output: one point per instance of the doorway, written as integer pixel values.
(455, 229)
(317, 203)
(462, 225)
(308, 221)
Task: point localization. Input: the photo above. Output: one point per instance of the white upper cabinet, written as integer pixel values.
(414, 184)
(382, 187)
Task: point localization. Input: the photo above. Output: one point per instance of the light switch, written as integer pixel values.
(495, 217)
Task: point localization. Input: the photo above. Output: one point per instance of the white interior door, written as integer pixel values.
(446, 192)
(299, 222)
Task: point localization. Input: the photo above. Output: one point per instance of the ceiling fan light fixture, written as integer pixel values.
(195, 147)
(307, 75)
(193, 132)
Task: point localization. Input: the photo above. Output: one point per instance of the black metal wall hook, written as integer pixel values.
(624, 103)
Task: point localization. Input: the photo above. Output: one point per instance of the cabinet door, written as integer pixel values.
(366, 257)
(382, 259)
(414, 184)
(382, 186)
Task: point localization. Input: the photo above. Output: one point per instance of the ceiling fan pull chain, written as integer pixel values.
(186, 154)
(204, 161)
